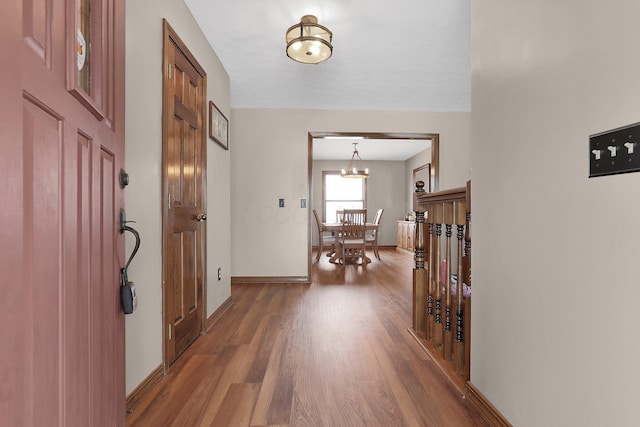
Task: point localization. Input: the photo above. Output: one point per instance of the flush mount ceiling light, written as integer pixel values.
(353, 170)
(309, 42)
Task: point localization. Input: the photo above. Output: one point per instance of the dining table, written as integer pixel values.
(336, 227)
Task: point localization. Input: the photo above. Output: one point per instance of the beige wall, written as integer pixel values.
(143, 162)
(385, 180)
(269, 160)
(555, 255)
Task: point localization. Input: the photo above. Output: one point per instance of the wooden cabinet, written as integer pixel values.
(406, 236)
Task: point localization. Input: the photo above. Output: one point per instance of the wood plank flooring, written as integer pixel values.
(333, 353)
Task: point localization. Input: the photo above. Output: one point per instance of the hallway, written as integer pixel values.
(333, 353)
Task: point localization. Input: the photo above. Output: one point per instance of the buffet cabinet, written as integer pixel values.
(406, 237)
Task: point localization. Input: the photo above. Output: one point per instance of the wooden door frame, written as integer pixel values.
(434, 177)
(170, 36)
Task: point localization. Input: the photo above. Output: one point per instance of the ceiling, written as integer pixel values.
(410, 55)
(369, 149)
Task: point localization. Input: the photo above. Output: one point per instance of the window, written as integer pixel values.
(341, 193)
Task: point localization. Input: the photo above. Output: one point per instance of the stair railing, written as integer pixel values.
(442, 277)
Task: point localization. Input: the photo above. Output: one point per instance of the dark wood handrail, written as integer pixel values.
(442, 196)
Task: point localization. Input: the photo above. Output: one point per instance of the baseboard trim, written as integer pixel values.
(390, 247)
(269, 279)
(467, 390)
(216, 315)
(486, 409)
(144, 387)
(157, 374)
(446, 368)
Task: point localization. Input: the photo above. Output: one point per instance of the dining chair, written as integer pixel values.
(324, 240)
(372, 237)
(351, 242)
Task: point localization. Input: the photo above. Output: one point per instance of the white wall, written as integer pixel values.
(386, 178)
(269, 160)
(143, 162)
(555, 319)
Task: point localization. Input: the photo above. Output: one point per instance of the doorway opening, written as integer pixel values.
(393, 141)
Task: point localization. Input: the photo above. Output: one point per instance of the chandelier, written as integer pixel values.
(309, 42)
(353, 169)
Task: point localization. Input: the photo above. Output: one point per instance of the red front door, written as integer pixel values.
(62, 148)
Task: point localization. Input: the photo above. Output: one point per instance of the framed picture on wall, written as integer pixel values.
(218, 126)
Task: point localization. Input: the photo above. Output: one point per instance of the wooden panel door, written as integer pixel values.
(185, 212)
(62, 146)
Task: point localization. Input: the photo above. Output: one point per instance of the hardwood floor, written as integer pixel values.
(333, 353)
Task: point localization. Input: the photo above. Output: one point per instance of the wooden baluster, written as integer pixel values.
(437, 219)
(430, 259)
(448, 336)
(419, 272)
(458, 349)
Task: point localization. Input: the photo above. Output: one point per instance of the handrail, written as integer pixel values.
(453, 194)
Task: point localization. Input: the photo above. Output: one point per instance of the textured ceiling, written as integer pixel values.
(369, 149)
(408, 55)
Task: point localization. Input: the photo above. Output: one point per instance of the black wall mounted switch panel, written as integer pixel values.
(615, 151)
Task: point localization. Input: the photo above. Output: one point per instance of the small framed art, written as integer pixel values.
(218, 126)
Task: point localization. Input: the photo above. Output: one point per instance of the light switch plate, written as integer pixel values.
(615, 151)
(281, 203)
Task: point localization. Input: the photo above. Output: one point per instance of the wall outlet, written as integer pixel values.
(303, 203)
(281, 203)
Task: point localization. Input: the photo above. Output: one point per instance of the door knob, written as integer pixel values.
(201, 217)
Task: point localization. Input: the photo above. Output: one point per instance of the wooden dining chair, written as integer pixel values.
(372, 237)
(324, 240)
(352, 239)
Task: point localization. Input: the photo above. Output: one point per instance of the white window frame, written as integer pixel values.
(324, 193)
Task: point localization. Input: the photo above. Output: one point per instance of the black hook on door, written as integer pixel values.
(128, 298)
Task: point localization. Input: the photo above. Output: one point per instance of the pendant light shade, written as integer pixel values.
(353, 169)
(309, 42)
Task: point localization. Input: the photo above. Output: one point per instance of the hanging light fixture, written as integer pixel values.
(309, 42)
(353, 170)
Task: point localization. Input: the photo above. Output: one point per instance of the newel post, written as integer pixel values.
(419, 272)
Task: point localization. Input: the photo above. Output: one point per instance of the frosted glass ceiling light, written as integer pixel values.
(353, 170)
(309, 42)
